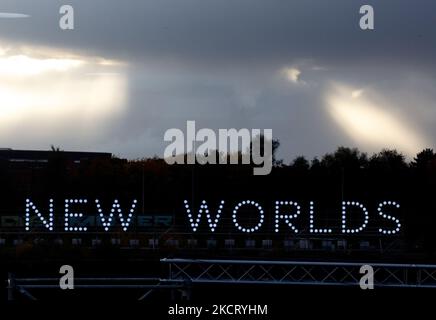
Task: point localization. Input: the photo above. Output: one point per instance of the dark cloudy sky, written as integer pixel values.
(132, 69)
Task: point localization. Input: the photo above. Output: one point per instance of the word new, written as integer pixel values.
(106, 219)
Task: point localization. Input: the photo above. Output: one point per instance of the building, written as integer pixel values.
(33, 157)
(27, 172)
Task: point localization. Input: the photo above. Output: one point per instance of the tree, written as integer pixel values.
(345, 158)
(388, 160)
(300, 163)
(423, 159)
(55, 149)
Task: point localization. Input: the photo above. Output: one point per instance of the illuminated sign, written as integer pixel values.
(289, 211)
(286, 215)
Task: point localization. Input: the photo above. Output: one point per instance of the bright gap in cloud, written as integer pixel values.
(292, 74)
(369, 124)
(48, 90)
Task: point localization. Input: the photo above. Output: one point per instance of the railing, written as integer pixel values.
(24, 285)
(183, 274)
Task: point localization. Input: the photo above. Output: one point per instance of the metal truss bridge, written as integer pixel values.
(183, 274)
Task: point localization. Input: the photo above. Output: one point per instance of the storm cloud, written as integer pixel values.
(243, 64)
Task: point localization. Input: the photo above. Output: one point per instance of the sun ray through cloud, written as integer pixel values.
(369, 124)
